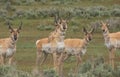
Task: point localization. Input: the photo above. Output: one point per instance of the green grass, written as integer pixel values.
(26, 50)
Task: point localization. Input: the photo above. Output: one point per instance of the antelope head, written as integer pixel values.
(104, 26)
(14, 32)
(88, 35)
(60, 23)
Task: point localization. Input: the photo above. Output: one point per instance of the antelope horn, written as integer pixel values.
(9, 25)
(20, 26)
(84, 30)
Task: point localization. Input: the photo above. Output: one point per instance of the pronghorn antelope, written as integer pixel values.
(112, 41)
(8, 45)
(77, 47)
(53, 44)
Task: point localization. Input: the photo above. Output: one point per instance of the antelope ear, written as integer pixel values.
(60, 20)
(56, 22)
(108, 24)
(66, 20)
(84, 30)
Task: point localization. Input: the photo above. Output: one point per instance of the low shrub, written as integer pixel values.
(11, 71)
(80, 12)
(96, 68)
(50, 73)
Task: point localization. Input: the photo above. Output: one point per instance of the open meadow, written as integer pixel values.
(38, 22)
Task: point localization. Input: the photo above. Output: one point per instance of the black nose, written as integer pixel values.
(15, 37)
(64, 27)
(90, 39)
(103, 30)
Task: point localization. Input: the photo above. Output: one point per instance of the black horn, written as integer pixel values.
(20, 26)
(57, 17)
(9, 25)
(84, 30)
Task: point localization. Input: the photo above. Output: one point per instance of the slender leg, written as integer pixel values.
(66, 57)
(55, 61)
(110, 54)
(39, 55)
(2, 60)
(37, 71)
(79, 60)
(113, 57)
(61, 62)
(10, 60)
(44, 58)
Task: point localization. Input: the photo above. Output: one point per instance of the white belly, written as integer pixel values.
(72, 51)
(110, 44)
(75, 51)
(7, 52)
(1, 49)
(47, 48)
(118, 44)
(83, 51)
(115, 44)
(10, 52)
(60, 47)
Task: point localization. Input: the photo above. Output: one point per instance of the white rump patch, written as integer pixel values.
(37, 42)
(74, 51)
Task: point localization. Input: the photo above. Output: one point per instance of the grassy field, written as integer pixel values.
(33, 29)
